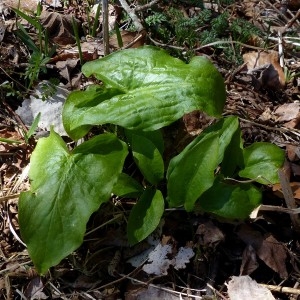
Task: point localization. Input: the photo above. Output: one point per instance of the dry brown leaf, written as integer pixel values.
(209, 234)
(59, 27)
(293, 152)
(66, 67)
(250, 8)
(195, 121)
(249, 261)
(130, 39)
(35, 289)
(266, 66)
(90, 49)
(267, 248)
(287, 112)
(266, 115)
(293, 124)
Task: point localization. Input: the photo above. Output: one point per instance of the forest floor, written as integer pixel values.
(256, 47)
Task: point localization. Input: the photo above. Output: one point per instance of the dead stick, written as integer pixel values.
(131, 12)
(289, 198)
(146, 6)
(279, 209)
(281, 289)
(105, 26)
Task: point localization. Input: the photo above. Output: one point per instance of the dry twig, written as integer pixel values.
(131, 12)
(281, 289)
(289, 199)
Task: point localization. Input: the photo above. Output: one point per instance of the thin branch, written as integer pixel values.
(131, 12)
(281, 289)
(289, 198)
(279, 209)
(207, 45)
(293, 20)
(165, 45)
(146, 6)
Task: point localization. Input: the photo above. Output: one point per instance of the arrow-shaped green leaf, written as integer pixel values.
(144, 89)
(66, 188)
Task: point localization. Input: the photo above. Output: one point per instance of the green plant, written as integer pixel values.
(143, 91)
(172, 27)
(77, 38)
(26, 135)
(9, 141)
(289, 75)
(8, 89)
(92, 25)
(155, 19)
(32, 129)
(37, 64)
(41, 54)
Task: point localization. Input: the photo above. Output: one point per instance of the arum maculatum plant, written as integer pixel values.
(143, 90)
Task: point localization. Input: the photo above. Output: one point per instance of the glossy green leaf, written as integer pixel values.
(233, 158)
(192, 171)
(145, 215)
(148, 159)
(226, 128)
(262, 161)
(230, 201)
(126, 186)
(66, 188)
(80, 101)
(155, 137)
(151, 89)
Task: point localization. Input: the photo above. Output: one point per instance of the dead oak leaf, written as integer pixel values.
(59, 27)
(249, 261)
(66, 67)
(267, 248)
(287, 112)
(35, 289)
(209, 235)
(130, 39)
(265, 69)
